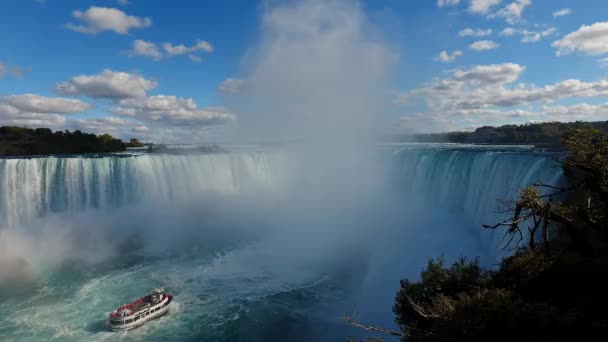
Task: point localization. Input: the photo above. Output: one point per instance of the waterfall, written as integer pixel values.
(31, 188)
(470, 183)
(466, 183)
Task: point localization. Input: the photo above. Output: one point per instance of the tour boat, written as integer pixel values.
(130, 316)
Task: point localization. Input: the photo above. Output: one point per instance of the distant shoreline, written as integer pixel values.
(22, 141)
(546, 135)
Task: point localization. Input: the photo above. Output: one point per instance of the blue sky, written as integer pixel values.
(171, 70)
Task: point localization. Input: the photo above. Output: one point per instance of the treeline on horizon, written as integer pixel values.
(22, 141)
(542, 134)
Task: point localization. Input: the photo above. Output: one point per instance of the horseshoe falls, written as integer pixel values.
(256, 244)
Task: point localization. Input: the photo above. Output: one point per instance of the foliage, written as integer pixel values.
(16, 141)
(546, 133)
(134, 143)
(551, 290)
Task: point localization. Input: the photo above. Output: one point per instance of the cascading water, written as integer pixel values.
(469, 183)
(31, 188)
(260, 256)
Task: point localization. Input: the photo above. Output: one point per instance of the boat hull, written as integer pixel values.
(141, 322)
(144, 317)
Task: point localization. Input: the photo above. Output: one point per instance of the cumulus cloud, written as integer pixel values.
(150, 49)
(590, 40)
(469, 119)
(11, 116)
(115, 126)
(441, 3)
(109, 84)
(99, 19)
(231, 86)
(562, 12)
(581, 111)
(489, 86)
(482, 6)
(487, 75)
(171, 110)
(469, 32)
(447, 57)
(484, 45)
(42, 104)
(528, 36)
(146, 49)
(38, 111)
(181, 49)
(513, 11)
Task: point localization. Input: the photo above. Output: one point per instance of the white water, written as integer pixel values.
(31, 188)
(249, 250)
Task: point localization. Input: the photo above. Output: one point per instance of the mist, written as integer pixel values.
(314, 84)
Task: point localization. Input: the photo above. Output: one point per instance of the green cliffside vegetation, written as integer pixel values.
(553, 286)
(15, 141)
(544, 134)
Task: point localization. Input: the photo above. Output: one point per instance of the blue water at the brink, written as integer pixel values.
(250, 251)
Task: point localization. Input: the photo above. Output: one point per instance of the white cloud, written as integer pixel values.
(483, 45)
(562, 12)
(513, 11)
(231, 86)
(42, 104)
(146, 49)
(446, 57)
(591, 40)
(528, 36)
(442, 3)
(171, 110)
(11, 116)
(115, 126)
(482, 6)
(38, 111)
(109, 84)
(490, 86)
(123, 2)
(482, 75)
(173, 50)
(603, 62)
(470, 119)
(581, 111)
(99, 19)
(468, 32)
(150, 49)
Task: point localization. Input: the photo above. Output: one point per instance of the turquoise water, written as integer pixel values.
(254, 245)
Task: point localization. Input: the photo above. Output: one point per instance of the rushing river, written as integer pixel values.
(254, 245)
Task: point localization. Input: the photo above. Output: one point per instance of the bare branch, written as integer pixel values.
(350, 321)
(508, 222)
(560, 191)
(418, 309)
(575, 165)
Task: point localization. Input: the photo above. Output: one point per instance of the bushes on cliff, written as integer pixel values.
(551, 289)
(41, 141)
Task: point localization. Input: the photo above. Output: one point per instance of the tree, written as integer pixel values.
(552, 288)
